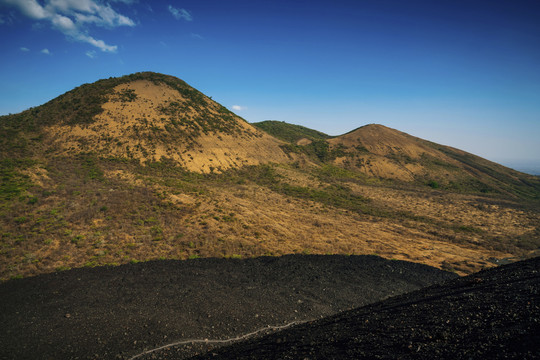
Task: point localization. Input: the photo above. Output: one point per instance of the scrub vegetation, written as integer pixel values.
(145, 167)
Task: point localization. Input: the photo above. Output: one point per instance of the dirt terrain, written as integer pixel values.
(125, 311)
(493, 314)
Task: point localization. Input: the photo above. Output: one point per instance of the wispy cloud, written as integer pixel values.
(180, 14)
(72, 17)
(197, 36)
(91, 54)
(46, 52)
(238, 107)
(129, 2)
(24, 49)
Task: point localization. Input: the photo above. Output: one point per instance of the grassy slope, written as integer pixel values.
(88, 211)
(22, 133)
(496, 177)
(58, 212)
(391, 154)
(289, 132)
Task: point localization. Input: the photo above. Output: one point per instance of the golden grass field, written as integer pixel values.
(164, 172)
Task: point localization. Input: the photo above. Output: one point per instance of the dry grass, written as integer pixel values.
(146, 129)
(93, 212)
(165, 172)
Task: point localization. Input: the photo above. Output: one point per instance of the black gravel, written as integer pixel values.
(493, 314)
(119, 312)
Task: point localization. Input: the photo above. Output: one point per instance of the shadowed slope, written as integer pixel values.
(493, 314)
(118, 312)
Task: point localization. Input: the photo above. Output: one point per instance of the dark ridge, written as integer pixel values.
(118, 312)
(493, 314)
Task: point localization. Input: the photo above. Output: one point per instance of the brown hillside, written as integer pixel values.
(146, 167)
(379, 151)
(161, 123)
(387, 153)
(384, 141)
(150, 117)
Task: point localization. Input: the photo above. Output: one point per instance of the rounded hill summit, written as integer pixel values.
(151, 117)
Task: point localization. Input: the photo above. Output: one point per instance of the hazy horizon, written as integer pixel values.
(532, 168)
(463, 74)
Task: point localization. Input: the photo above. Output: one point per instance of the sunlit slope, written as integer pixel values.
(146, 167)
(382, 152)
(144, 116)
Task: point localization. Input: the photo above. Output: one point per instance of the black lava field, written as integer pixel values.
(290, 307)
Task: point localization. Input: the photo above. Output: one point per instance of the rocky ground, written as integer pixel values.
(128, 311)
(494, 314)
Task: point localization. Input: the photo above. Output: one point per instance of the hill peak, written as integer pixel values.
(148, 117)
(382, 140)
(383, 152)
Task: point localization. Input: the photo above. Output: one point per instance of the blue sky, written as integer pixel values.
(460, 73)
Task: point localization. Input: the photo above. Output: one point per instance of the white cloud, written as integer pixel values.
(72, 17)
(25, 49)
(91, 54)
(64, 24)
(30, 8)
(46, 52)
(180, 14)
(66, 6)
(238, 107)
(97, 43)
(197, 36)
(103, 16)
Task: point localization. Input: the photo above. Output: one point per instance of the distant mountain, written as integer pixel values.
(152, 117)
(291, 133)
(529, 167)
(384, 153)
(144, 116)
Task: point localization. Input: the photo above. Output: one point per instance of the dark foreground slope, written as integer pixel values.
(487, 315)
(119, 312)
